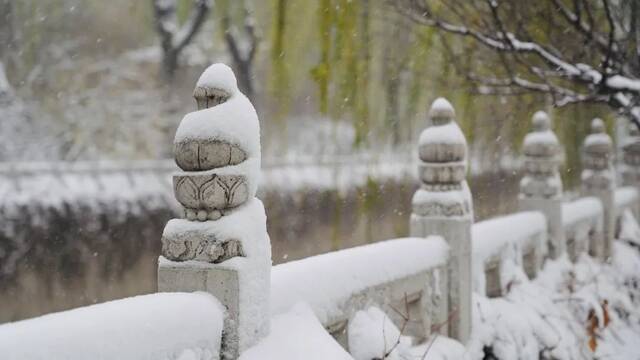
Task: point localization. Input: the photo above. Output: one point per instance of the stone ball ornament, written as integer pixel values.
(217, 148)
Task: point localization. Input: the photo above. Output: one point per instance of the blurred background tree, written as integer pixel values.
(328, 77)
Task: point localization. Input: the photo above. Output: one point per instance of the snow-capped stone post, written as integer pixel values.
(541, 186)
(598, 179)
(443, 206)
(221, 246)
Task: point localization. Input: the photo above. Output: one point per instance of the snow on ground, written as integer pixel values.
(548, 317)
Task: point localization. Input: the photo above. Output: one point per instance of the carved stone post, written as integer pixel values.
(443, 206)
(541, 186)
(598, 179)
(221, 246)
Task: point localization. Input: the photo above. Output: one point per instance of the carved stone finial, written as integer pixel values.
(442, 150)
(218, 150)
(542, 158)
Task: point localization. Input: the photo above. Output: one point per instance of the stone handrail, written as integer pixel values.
(583, 223)
(338, 284)
(626, 198)
(519, 237)
(155, 326)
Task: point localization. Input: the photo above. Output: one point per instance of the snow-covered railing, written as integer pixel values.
(155, 326)
(583, 225)
(338, 284)
(519, 238)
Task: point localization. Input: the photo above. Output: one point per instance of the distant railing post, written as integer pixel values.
(443, 206)
(541, 186)
(598, 180)
(222, 246)
(630, 168)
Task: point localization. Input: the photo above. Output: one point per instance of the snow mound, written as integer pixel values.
(372, 335)
(296, 334)
(219, 76)
(156, 326)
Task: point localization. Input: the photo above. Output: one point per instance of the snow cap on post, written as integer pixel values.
(442, 148)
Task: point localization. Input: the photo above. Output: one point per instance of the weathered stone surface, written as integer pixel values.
(207, 96)
(199, 155)
(202, 194)
(199, 245)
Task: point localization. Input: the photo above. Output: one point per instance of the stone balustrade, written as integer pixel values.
(221, 246)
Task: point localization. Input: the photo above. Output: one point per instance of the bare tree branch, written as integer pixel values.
(173, 37)
(535, 64)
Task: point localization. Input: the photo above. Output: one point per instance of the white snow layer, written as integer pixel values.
(327, 281)
(581, 209)
(157, 326)
(246, 223)
(449, 133)
(234, 121)
(540, 137)
(219, 76)
(295, 335)
(519, 229)
(625, 196)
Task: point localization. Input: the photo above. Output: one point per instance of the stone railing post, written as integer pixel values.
(221, 246)
(541, 186)
(630, 167)
(443, 206)
(598, 180)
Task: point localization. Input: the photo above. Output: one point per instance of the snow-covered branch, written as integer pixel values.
(568, 75)
(243, 48)
(173, 37)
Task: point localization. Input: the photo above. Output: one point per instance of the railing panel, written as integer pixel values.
(156, 326)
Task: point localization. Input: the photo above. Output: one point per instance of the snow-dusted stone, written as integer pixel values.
(541, 186)
(222, 246)
(598, 180)
(443, 206)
